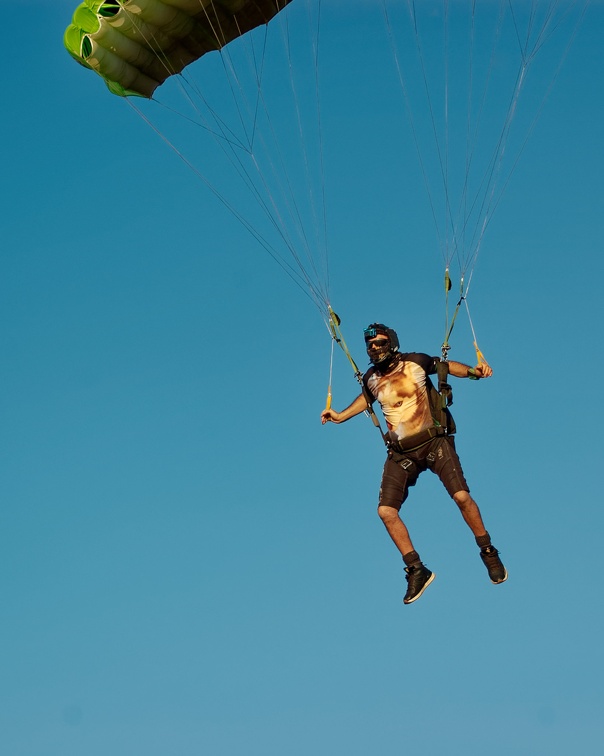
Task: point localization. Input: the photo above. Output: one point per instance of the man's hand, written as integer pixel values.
(330, 416)
(482, 370)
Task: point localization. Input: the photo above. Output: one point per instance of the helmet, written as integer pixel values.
(381, 355)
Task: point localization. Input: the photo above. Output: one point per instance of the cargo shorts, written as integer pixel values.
(402, 470)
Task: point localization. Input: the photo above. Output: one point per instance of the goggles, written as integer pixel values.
(378, 343)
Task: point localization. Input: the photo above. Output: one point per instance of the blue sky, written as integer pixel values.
(190, 563)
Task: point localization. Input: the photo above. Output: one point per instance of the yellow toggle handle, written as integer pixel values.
(328, 400)
(480, 356)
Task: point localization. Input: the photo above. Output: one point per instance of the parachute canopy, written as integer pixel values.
(135, 45)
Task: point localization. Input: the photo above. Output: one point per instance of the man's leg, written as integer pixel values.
(397, 477)
(470, 512)
(397, 530)
(448, 468)
(396, 480)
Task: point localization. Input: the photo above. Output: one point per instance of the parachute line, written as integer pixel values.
(299, 279)
(462, 235)
(409, 111)
(266, 123)
(315, 279)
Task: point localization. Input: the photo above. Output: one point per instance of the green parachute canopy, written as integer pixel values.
(135, 45)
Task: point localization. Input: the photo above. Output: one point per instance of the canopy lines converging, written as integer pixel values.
(463, 202)
(255, 104)
(256, 154)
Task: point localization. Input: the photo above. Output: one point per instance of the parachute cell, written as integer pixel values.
(135, 45)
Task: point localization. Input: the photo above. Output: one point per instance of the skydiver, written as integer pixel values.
(419, 437)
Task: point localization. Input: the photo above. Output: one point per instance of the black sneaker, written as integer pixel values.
(418, 578)
(497, 572)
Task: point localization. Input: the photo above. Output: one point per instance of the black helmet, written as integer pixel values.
(384, 354)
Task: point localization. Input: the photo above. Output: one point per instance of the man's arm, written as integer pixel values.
(459, 370)
(331, 416)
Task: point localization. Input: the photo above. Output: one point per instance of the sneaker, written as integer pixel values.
(418, 578)
(497, 572)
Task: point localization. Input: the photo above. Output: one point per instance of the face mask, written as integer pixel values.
(379, 349)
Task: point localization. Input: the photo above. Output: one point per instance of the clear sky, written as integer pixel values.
(190, 563)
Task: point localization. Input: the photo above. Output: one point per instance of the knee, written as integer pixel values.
(463, 500)
(387, 514)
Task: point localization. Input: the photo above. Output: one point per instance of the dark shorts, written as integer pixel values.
(402, 470)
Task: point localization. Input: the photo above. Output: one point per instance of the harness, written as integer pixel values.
(439, 400)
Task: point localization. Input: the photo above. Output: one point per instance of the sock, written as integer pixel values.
(483, 541)
(411, 559)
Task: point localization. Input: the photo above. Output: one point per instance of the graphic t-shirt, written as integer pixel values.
(403, 393)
